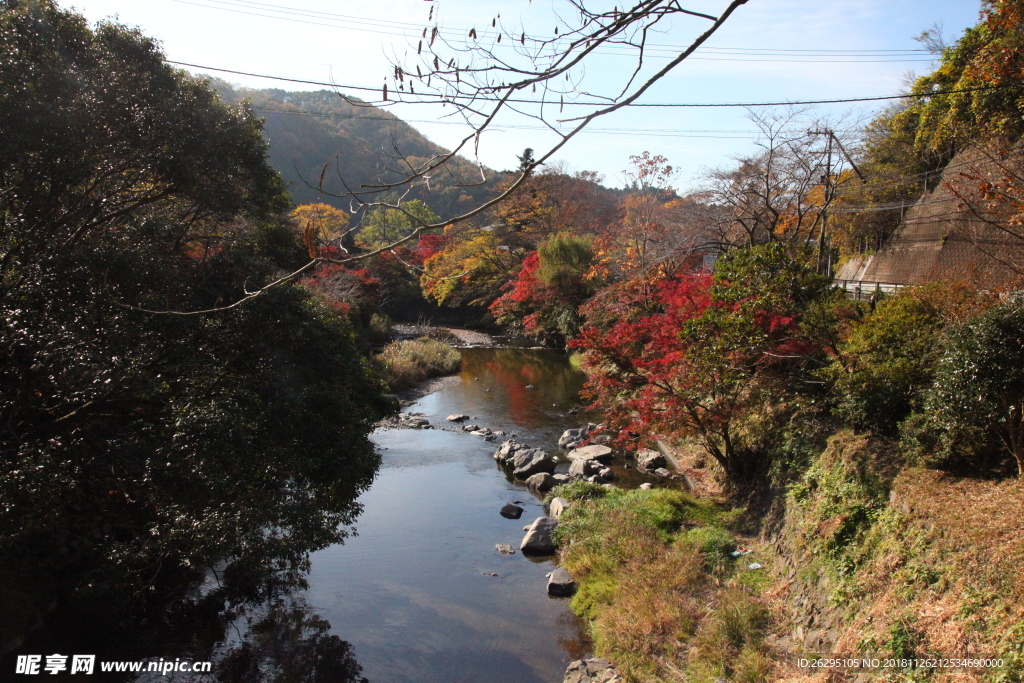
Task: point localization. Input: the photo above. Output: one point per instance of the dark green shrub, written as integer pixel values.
(978, 391)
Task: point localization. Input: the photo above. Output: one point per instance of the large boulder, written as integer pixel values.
(539, 538)
(560, 584)
(557, 507)
(542, 481)
(592, 671)
(573, 436)
(527, 463)
(581, 469)
(646, 459)
(507, 451)
(457, 418)
(595, 452)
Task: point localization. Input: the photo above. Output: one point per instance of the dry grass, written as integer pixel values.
(661, 603)
(404, 364)
(979, 523)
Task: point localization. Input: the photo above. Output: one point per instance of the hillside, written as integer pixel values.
(308, 129)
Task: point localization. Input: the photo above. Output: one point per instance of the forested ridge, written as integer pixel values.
(359, 142)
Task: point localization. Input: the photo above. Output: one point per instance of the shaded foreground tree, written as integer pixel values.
(138, 449)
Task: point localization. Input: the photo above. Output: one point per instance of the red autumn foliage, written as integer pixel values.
(348, 290)
(689, 362)
(525, 293)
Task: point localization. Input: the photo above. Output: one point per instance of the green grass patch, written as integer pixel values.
(713, 543)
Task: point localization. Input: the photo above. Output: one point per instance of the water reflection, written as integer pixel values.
(253, 626)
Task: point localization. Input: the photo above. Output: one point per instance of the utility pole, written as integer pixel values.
(826, 181)
(825, 264)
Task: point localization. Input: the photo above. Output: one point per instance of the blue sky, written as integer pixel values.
(807, 49)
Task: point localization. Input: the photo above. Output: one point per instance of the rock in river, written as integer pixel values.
(560, 584)
(581, 469)
(570, 436)
(406, 421)
(592, 671)
(511, 511)
(542, 481)
(646, 459)
(507, 450)
(457, 417)
(596, 452)
(528, 462)
(539, 539)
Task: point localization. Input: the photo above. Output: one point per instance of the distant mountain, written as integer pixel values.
(308, 129)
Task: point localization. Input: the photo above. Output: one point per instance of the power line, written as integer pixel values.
(648, 132)
(441, 99)
(398, 28)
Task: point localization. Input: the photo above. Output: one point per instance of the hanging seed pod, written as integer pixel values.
(385, 98)
(499, 37)
(472, 33)
(418, 73)
(522, 39)
(424, 34)
(436, 65)
(401, 75)
(456, 75)
(451, 63)
(556, 30)
(534, 87)
(494, 22)
(419, 48)
(433, 36)
(431, 15)
(561, 104)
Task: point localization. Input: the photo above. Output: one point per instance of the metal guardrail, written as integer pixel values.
(863, 290)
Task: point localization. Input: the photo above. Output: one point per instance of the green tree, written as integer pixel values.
(140, 448)
(887, 361)
(384, 226)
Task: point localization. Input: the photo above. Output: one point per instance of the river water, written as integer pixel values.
(415, 592)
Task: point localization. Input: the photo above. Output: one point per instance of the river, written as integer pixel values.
(415, 592)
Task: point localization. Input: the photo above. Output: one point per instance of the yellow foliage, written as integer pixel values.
(324, 222)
